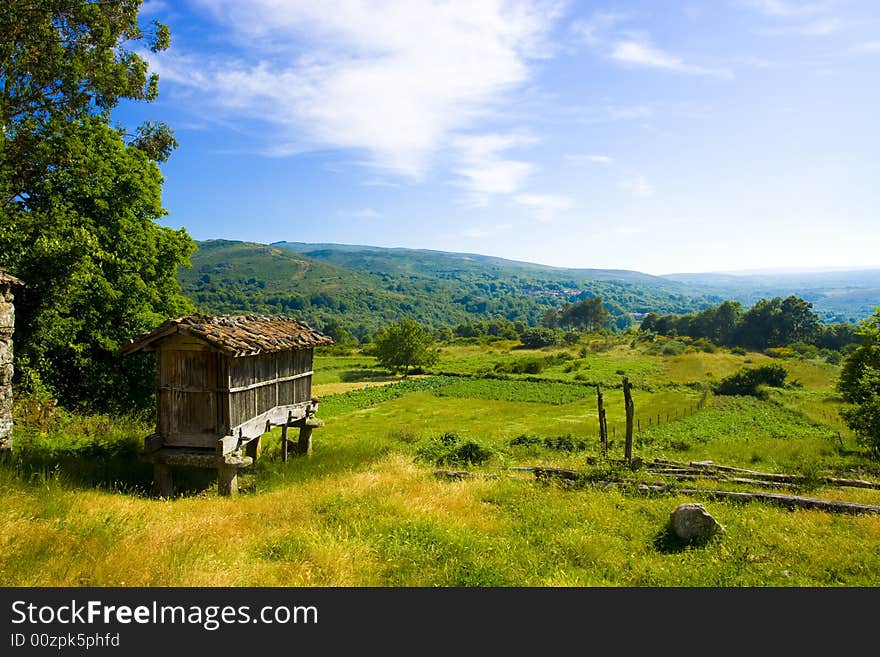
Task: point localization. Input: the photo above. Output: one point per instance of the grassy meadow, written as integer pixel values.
(366, 509)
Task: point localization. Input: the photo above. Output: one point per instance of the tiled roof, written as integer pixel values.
(239, 335)
(8, 279)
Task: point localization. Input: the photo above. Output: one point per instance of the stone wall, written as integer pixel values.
(7, 321)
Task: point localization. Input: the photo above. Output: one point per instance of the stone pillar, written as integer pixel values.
(7, 323)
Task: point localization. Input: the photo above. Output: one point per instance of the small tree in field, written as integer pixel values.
(860, 386)
(404, 345)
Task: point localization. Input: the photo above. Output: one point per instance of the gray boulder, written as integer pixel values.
(692, 523)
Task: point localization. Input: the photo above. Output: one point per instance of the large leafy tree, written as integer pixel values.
(80, 200)
(589, 314)
(859, 385)
(404, 345)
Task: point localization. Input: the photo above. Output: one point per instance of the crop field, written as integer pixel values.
(366, 509)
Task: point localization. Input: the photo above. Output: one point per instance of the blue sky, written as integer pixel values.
(661, 136)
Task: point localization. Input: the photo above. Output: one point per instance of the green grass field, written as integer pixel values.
(367, 510)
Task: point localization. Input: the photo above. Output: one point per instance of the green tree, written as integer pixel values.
(98, 268)
(79, 200)
(589, 315)
(859, 385)
(404, 345)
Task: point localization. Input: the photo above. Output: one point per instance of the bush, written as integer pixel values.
(748, 381)
(449, 450)
(535, 338)
(739, 351)
(571, 338)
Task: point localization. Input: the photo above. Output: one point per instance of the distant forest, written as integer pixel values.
(352, 292)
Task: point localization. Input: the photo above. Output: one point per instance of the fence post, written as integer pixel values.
(630, 411)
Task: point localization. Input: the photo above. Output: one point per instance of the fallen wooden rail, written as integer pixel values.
(787, 501)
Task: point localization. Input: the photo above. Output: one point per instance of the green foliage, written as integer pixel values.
(538, 392)
(748, 381)
(770, 323)
(859, 385)
(564, 443)
(367, 397)
(62, 62)
(79, 205)
(98, 268)
(589, 315)
(538, 337)
(449, 449)
(404, 345)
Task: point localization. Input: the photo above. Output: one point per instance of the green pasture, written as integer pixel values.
(366, 509)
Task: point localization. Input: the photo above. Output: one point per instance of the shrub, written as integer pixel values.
(748, 381)
(571, 338)
(449, 450)
(739, 351)
(535, 338)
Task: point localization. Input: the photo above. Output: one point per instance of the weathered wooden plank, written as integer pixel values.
(275, 380)
(276, 416)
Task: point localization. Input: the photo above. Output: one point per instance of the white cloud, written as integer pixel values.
(596, 29)
(365, 213)
(869, 47)
(818, 27)
(594, 159)
(799, 18)
(482, 169)
(785, 8)
(478, 232)
(603, 33)
(545, 206)
(393, 79)
(638, 185)
(637, 53)
(151, 7)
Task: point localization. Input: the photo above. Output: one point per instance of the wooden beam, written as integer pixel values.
(269, 382)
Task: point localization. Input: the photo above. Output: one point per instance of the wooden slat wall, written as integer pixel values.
(194, 408)
(188, 412)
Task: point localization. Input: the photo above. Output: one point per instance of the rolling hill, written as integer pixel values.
(364, 288)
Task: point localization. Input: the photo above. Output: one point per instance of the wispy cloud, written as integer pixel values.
(869, 47)
(595, 29)
(585, 159)
(785, 8)
(151, 7)
(392, 80)
(365, 213)
(818, 27)
(818, 18)
(604, 33)
(544, 206)
(478, 232)
(638, 186)
(483, 169)
(638, 53)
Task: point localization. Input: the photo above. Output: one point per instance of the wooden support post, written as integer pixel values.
(227, 480)
(304, 447)
(252, 449)
(630, 412)
(284, 438)
(603, 424)
(163, 483)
